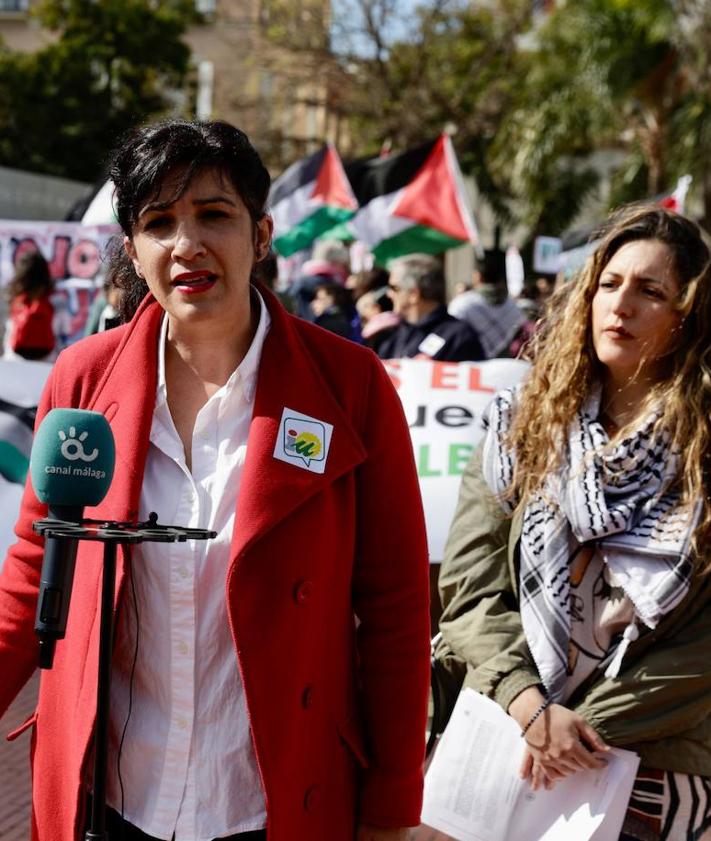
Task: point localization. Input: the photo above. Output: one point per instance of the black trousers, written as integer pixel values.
(121, 830)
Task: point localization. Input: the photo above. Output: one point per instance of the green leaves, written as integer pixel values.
(113, 65)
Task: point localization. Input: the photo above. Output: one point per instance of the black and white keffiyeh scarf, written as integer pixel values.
(620, 498)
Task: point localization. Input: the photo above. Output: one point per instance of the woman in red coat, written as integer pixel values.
(270, 683)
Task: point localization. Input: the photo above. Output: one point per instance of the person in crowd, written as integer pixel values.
(545, 286)
(104, 312)
(377, 319)
(29, 333)
(366, 281)
(270, 683)
(575, 580)
(331, 307)
(460, 287)
(266, 271)
(417, 290)
(329, 261)
(488, 308)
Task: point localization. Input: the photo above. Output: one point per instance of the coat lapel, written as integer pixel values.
(288, 377)
(126, 396)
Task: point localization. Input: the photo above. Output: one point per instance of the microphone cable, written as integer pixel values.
(128, 555)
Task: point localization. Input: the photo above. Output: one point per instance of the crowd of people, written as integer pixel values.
(407, 311)
(403, 311)
(273, 683)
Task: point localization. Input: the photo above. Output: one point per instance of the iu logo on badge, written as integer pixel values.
(303, 441)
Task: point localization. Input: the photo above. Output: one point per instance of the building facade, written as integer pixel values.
(264, 65)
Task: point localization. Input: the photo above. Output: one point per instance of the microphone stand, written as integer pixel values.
(112, 534)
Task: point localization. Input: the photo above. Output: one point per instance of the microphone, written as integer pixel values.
(71, 466)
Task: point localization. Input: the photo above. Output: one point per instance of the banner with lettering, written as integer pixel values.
(21, 384)
(75, 253)
(443, 404)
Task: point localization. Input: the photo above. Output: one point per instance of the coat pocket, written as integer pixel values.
(351, 734)
(26, 724)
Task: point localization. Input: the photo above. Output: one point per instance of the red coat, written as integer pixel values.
(338, 715)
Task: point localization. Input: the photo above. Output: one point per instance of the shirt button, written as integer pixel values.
(182, 723)
(183, 647)
(311, 798)
(303, 590)
(183, 571)
(307, 697)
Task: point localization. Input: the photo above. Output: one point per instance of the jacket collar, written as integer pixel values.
(432, 318)
(289, 377)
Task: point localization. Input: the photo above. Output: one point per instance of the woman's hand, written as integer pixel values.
(558, 743)
(376, 833)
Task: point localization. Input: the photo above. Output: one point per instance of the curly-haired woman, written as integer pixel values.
(574, 581)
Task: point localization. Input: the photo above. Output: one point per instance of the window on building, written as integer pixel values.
(14, 5)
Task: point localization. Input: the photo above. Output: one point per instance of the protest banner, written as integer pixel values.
(21, 384)
(546, 255)
(443, 403)
(75, 255)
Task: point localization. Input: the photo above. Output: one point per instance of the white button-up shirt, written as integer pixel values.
(187, 764)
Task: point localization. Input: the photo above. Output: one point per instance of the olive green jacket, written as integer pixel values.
(660, 703)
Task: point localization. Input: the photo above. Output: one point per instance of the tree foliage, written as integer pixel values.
(537, 104)
(602, 75)
(443, 65)
(113, 64)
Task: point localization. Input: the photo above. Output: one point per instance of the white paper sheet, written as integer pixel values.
(473, 791)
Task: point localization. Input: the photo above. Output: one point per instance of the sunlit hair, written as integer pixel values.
(565, 365)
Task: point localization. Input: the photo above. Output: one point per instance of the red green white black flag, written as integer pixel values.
(310, 198)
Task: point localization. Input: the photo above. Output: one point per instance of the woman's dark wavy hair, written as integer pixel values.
(178, 149)
(31, 278)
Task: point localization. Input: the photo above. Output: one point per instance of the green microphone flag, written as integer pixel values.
(72, 460)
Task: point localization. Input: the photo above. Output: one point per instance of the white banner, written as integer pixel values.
(546, 254)
(75, 253)
(21, 384)
(443, 404)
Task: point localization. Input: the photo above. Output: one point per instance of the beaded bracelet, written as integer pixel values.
(544, 706)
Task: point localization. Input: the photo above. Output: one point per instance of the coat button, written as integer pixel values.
(307, 697)
(303, 591)
(311, 798)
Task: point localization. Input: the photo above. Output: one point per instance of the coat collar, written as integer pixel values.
(289, 377)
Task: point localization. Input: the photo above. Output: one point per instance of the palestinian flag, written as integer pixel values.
(676, 200)
(21, 384)
(310, 198)
(412, 202)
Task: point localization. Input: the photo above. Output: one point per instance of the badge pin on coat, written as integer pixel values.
(303, 441)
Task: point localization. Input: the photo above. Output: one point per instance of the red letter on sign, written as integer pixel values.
(58, 263)
(84, 259)
(475, 381)
(445, 375)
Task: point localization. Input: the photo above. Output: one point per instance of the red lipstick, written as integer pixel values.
(191, 283)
